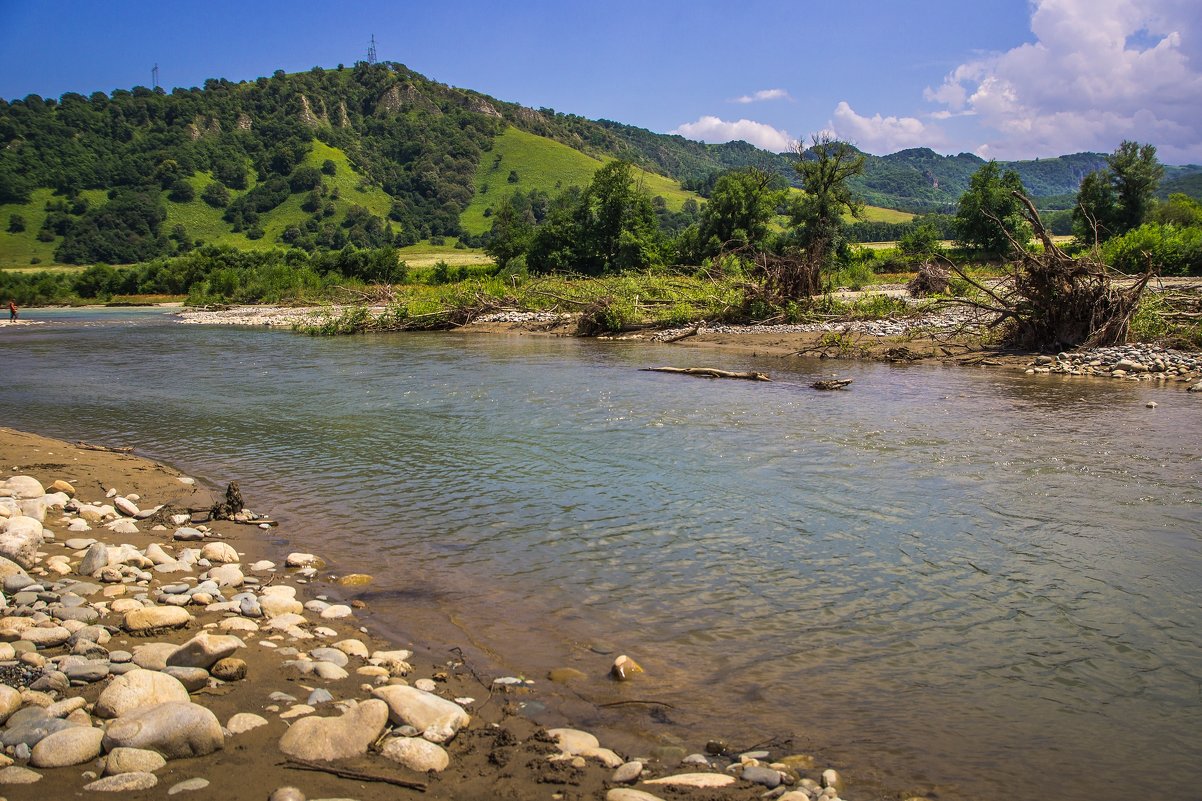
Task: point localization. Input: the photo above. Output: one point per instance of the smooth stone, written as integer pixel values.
(353, 648)
(425, 685)
(31, 732)
(244, 722)
(694, 780)
(46, 637)
(629, 794)
(333, 655)
(188, 785)
(188, 534)
(88, 672)
(416, 754)
(153, 656)
(221, 552)
(193, 678)
(136, 689)
(286, 794)
(72, 746)
(132, 760)
(325, 739)
(10, 701)
(229, 669)
(123, 783)
(319, 696)
(227, 575)
(15, 774)
(78, 525)
(605, 756)
(627, 773)
(125, 506)
(204, 650)
(830, 778)
(565, 675)
(761, 775)
(437, 718)
(297, 559)
(174, 729)
(23, 487)
(123, 526)
(20, 539)
(156, 617)
(96, 558)
(279, 605)
(624, 668)
(355, 580)
(573, 741)
(336, 611)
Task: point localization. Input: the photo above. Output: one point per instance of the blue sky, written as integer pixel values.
(1002, 78)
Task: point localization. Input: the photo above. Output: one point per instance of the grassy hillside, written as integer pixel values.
(548, 166)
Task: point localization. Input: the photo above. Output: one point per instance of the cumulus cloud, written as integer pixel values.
(883, 135)
(764, 94)
(1099, 71)
(714, 130)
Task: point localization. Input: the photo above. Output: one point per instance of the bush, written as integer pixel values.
(216, 195)
(1169, 249)
(181, 191)
(16, 223)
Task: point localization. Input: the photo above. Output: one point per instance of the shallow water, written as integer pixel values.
(951, 579)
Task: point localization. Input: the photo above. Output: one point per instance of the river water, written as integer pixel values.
(971, 583)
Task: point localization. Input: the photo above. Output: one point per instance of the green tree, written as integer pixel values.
(617, 224)
(1118, 199)
(181, 191)
(16, 223)
(1136, 176)
(989, 214)
(825, 170)
(920, 242)
(739, 212)
(511, 234)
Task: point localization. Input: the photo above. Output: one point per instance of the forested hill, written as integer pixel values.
(365, 155)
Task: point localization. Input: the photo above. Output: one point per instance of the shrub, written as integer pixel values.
(216, 195)
(181, 191)
(1170, 249)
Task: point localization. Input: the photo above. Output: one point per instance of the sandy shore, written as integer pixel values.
(109, 600)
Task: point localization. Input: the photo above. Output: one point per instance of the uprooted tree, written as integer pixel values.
(1052, 301)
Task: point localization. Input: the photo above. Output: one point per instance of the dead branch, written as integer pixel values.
(356, 775)
(709, 372)
(832, 383)
(85, 446)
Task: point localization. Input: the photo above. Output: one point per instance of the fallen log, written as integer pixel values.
(85, 446)
(709, 372)
(692, 332)
(833, 383)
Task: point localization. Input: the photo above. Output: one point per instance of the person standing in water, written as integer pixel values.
(12, 310)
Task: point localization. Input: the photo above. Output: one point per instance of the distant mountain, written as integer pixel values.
(364, 155)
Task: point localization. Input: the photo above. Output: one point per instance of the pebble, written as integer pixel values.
(416, 754)
(244, 722)
(627, 773)
(188, 785)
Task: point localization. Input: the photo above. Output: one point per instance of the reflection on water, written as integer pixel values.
(944, 577)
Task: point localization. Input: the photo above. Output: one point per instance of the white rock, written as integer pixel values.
(573, 741)
(138, 688)
(437, 718)
(123, 783)
(21, 487)
(244, 722)
(132, 760)
(20, 538)
(221, 552)
(176, 730)
(326, 739)
(416, 754)
(126, 507)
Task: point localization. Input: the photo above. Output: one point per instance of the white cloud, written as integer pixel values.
(764, 94)
(713, 129)
(1098, 72)
(882, 135)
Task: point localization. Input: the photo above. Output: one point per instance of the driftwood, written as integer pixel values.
(85, 446)
(833, 383)
(709, 372)
(692, 332)
(356, 775)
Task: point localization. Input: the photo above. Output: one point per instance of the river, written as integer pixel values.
(959, 581)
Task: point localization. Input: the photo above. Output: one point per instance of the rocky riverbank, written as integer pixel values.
(149, 651)
(1128, 362)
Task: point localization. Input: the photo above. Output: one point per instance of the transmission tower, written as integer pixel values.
(371, 50)
(154, 77)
